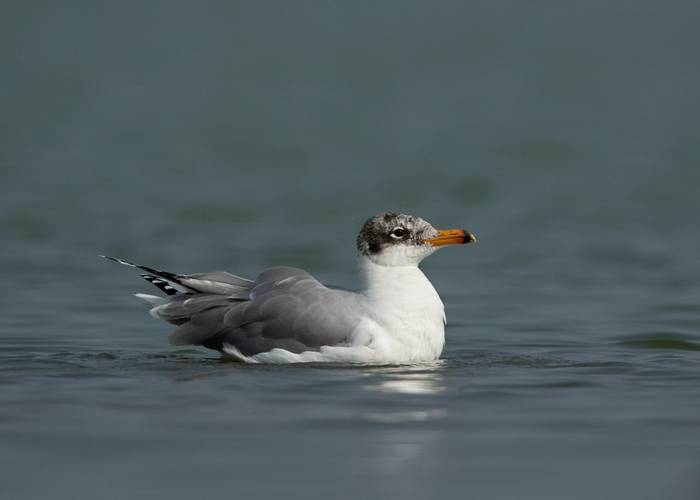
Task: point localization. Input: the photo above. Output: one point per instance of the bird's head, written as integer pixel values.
(391, 239)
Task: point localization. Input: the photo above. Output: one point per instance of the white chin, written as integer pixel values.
(401, 255)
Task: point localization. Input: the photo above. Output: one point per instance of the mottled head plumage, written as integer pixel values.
(390, 229)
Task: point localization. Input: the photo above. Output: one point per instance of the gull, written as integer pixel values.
(288, 316)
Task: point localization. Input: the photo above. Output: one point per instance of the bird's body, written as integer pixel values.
(287, 316)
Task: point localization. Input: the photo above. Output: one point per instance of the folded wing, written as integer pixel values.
(283, 308)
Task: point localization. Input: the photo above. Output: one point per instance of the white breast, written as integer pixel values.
(409, 315)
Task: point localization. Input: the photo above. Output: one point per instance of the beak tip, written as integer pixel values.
(452, 237)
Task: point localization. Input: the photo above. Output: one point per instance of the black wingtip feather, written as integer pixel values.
(155, 273)
(118, 261)
(161, 284)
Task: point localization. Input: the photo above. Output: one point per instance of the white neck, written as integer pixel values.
(397, 284)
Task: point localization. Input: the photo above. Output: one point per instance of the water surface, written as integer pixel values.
(243, 136)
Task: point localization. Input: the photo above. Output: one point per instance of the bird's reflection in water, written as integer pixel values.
(412, 384)
(406, 423)
(423, 379)
(416, 382)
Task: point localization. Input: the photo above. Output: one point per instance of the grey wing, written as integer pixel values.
(218, 282)
(286, 308)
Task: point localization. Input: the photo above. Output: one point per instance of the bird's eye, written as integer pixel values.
(399, 232)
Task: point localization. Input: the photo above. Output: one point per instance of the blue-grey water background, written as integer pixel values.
(239, 135)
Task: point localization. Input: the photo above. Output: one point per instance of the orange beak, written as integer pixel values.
(451, 237)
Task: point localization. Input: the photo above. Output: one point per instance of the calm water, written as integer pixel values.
(242, 136)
